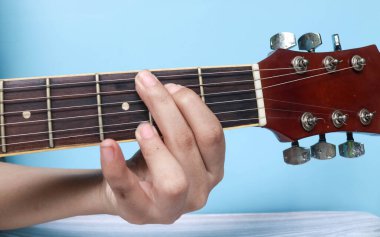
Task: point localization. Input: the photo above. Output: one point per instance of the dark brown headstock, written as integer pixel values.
(320, 92)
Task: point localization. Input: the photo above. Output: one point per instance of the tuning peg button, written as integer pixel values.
(323, 150)
(309, 41)
(282, 40)
(351, 149)
(296, 155)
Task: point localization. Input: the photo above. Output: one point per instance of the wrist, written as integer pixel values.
(106, 198)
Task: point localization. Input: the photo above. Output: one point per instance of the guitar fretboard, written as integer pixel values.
(46, 113)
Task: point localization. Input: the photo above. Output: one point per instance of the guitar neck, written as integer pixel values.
(46, 113)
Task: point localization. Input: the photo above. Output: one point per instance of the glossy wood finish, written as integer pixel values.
(348, 91)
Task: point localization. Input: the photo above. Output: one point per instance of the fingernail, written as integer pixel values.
(172, 88)
(107, 153)
(145, 130)
(147, 78)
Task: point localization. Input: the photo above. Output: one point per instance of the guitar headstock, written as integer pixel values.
(312, 93)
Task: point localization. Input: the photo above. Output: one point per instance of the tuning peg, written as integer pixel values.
(296, 155)
(283, 40)
(351, 149)
(323, 150)
(309, 41)
(336, 42)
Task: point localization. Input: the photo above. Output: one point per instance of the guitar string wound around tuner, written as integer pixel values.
(308, 121)
(365, 116)
(358, 63)
(338, 118)
(300, 64)
(330, 63)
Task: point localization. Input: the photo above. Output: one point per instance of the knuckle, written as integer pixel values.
(187, 97)
(175, 188)
(198, 202)
(214, 136)
(217, 178)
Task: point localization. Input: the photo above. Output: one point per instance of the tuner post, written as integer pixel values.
(300, 64)
(330, 63)
(338, 118)
(358, 63)
(365, 116)
(308, 121)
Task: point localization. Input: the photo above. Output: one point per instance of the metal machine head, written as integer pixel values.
(283, 40)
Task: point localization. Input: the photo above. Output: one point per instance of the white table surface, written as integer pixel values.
(271, 224)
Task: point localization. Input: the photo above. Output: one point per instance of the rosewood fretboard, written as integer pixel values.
(47, 113)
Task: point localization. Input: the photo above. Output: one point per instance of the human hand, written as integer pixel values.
(171, 175)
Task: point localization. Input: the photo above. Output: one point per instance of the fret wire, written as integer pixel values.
(2, 126)
(189, 86)
(137, 122)
(201, 89)
(72, 107)
(72, 117)
(238, 91)
(150, 118)
(49, 117)
(70, 96)
(99, 102)
(108, 104)
(118, 124)
(73, 129)
(133, 111)
(114, 131)
(131, 79)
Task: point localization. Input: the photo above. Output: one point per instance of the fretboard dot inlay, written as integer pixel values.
(26, 114)
(125, 106)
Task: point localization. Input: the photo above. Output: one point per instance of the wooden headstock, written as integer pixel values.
(294, 100)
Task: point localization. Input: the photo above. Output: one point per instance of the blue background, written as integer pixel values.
(45, 37)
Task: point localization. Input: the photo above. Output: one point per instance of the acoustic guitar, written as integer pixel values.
(294, 94)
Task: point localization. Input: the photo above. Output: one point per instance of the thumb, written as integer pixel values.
(114, 169)
(129, 199)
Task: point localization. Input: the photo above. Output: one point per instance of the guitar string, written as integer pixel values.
(129, 123)
(111, 125)
(94, 115)
(114, 131)
(132, 78)
(129, 129)
(136, 111)
(263, 88)
(132, 91)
